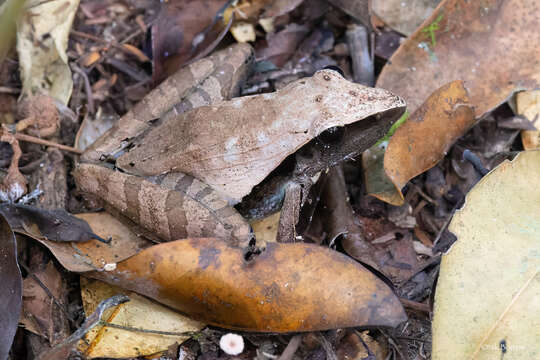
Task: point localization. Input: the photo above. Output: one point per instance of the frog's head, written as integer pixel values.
(342, 102)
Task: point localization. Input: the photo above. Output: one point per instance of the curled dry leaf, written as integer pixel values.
(203, 82)
(528, 105)
(44, 67)
(310, 287)
(489, 282)
(11, 296)
(475, 41)
(234, 145)
(419, 143)
(172, 206)
(93, 254)
(139, 313)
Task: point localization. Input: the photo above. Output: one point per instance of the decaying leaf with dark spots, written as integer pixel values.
(54, 225)
(491, 45)
(289, 287)
(234, 145)
(173, 206)
(11, 295)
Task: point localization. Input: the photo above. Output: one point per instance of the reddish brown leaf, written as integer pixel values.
(289, 287)
(175, 30)
(491, 45)
(41, 314)
(283, 45)
(419, 143)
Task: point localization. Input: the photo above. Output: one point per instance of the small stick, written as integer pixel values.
(35, 140)
(415, 305)
(87, 88)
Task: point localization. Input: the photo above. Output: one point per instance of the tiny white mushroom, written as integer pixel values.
(232, 344)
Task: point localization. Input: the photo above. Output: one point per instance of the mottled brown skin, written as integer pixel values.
(171, 206)
(311, 287)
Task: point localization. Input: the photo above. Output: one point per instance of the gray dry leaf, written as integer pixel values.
(234, 145)
(54, 225)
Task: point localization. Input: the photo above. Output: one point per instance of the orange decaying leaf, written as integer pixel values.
(289, 287)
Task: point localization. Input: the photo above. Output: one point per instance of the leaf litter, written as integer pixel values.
(112, 72)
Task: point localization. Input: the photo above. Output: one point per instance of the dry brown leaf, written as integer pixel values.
(404, 15)
(475, 41)
(138, 313)
(489, 282)
(203, 82)
(11, 296)
(177, 31)
(352, 348)
(310, 287)
(283, 45)
(233, 146)
(419, 143)
(528, 105)
(42, 39)
(172, 206)
(95, 255)
(41, 314)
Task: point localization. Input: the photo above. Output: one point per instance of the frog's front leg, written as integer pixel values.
(171, 206)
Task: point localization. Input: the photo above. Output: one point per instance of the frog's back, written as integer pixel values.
(234, 145)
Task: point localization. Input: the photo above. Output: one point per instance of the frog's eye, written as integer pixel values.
(335, 68)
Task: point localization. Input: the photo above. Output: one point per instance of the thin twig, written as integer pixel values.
(148, 331)
(87, 88)
(8, 90)
(35, 140)
(415, 305)
(291, 348)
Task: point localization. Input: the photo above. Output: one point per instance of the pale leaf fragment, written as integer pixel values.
(489, 286)
(139, 313)
(42, 38)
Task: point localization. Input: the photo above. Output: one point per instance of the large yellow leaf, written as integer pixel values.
(489, 288)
